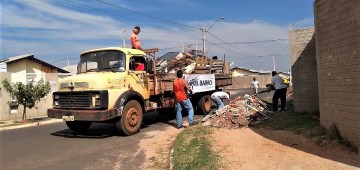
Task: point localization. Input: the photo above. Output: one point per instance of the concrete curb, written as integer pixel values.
(31, 124)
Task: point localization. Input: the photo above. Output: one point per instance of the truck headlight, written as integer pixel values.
(56, 100)
(96, 100)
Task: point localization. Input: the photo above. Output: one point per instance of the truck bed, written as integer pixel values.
(164, 82)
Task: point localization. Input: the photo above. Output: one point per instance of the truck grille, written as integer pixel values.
(74, 100)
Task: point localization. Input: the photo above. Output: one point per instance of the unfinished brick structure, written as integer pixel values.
(304, 70)
(337, 25)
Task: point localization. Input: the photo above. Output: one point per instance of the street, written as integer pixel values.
(54, 146)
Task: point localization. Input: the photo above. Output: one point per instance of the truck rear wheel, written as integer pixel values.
(78, 126)
(204, 105)
(131, 118)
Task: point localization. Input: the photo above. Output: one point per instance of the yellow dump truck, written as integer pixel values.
(111, 87)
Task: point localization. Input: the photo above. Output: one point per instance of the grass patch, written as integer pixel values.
(308, 125)
(192, 150)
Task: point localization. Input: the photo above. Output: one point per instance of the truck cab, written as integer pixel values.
(106, 79)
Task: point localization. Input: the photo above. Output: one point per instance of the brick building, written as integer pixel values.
(337, 25)
(333, 53)
(304, 69)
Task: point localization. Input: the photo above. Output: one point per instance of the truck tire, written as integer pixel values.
(131, 119)
(78, 126)
(204, 105)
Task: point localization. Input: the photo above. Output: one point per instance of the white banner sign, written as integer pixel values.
(201, 82)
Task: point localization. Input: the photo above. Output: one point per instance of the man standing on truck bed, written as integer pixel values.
(134, 40)
(180, 89)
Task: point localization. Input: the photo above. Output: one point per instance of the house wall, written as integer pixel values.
(4, 97)
(304, 70)
(18, 69)
(41, 108)
(241, 72)
(337, 25)
(34, 67)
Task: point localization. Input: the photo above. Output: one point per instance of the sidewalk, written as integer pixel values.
(11, 124)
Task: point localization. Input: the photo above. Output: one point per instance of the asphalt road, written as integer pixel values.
(54, 146)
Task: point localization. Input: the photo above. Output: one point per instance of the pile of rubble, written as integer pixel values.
(190, 63)
(241, 112)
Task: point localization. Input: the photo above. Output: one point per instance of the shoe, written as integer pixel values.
(195, 122)
(179, 127)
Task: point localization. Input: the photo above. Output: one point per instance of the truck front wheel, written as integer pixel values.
(78, 126)
(204, 105)
(131, 118)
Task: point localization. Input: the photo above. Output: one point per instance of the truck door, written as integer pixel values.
(138, 78)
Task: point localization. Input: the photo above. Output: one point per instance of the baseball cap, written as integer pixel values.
(137, 27)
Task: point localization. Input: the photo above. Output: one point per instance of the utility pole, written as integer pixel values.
(203, 31)
(124, 37)
(203, 39)
(196, 49)
(273, 55)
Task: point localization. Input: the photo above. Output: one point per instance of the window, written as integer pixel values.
(108, 60)
(137, 63)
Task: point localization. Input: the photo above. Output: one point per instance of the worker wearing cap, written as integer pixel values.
(134, 40)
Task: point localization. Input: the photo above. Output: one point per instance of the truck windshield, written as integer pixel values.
(109, 60)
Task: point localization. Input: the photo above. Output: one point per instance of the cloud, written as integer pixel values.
(53, 32)
(304, 23)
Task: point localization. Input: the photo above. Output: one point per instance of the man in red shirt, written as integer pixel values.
(134, 40)
(139, 66)
(180, 89)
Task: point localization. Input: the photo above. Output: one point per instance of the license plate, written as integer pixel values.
(68, 118)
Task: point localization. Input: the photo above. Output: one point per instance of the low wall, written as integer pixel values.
(244, 82)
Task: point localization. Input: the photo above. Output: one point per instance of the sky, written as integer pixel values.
(250, 32)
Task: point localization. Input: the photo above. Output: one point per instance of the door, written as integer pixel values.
(138, 78)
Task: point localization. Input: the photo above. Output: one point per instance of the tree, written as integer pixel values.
(26, 95)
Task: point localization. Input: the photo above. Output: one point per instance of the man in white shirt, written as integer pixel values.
(280, 91)
(217, 96)
(255, 85)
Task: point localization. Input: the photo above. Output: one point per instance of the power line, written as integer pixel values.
(156, 32)
(251, 54)
(71, 14)
(164, 20)
(91, 19)
(259, 41)
(81, 4)
(63, 59)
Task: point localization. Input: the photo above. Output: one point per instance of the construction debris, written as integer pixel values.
(241, 112)
(191, 63)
